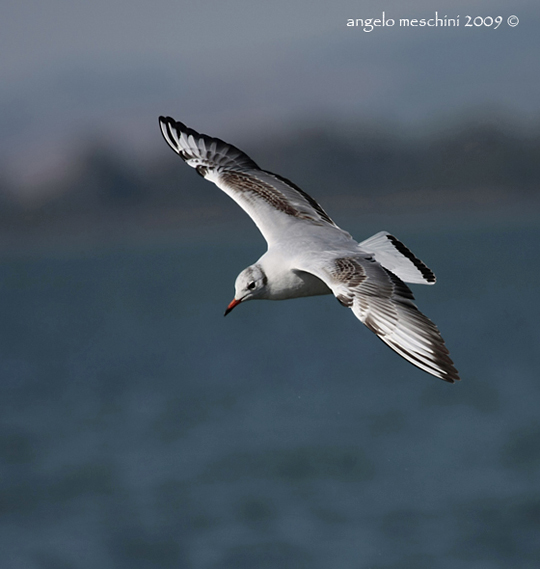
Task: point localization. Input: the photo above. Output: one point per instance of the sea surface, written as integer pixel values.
(140, 429)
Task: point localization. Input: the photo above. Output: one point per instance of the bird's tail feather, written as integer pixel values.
(397, 258)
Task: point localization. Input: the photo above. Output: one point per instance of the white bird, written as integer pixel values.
(308, 254)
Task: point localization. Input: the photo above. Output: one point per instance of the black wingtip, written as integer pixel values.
(452, 378)
(448, 372)
(169, 120)
(170, 130)
(228, 156)
(165, 120)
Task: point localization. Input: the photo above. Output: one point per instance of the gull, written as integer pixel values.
(309, 255)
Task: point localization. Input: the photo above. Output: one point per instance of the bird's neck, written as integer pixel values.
(284, 281)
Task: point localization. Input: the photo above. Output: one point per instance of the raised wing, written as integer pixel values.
(384, 303)
(271, 201)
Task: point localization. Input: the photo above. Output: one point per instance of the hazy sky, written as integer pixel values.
(35, 35)
(76, 70)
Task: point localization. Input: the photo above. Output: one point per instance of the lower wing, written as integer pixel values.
(384, 303)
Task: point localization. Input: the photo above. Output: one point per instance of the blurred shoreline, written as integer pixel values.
(483, 170)
(361, 217)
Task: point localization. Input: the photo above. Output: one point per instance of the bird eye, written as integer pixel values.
(251, 285)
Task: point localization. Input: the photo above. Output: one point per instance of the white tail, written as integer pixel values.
(394, 256)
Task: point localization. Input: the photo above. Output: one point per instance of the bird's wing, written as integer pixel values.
(384, 303)
(271, 201)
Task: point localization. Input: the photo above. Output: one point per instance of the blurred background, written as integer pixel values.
(138, 427)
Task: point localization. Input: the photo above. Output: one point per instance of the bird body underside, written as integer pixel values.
(295, 284)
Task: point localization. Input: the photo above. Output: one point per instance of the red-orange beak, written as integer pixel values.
(232, 305)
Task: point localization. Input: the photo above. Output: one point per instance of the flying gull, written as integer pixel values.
(308, 254)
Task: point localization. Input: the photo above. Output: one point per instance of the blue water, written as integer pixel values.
(141, 429)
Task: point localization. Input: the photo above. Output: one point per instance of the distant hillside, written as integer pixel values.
(469, 165)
